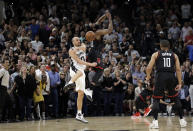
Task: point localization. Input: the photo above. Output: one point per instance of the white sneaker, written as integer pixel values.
(183, 123)
(88, 94)
(154, 125)
(80, 117)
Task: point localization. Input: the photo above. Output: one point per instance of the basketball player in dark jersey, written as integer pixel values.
(95, 54)
(167, 63)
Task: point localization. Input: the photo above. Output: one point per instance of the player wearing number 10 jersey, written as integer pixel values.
(167, 64)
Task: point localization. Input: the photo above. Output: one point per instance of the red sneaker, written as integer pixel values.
(147, 111)
(136, 115)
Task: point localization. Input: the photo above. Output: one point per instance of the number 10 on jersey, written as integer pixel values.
(167, 62)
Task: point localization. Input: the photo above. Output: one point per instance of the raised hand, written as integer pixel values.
(107, 13)
(178, 87)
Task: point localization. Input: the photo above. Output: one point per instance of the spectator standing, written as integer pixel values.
(5, 100)
(185, 30)
(185, 11)
(119, 83)
(36, 44)
(46, 92)
(54, 82)
(63, 96)
(34, 28)
(107, 84)
(174, 32)
(185, 98)
(39, 104)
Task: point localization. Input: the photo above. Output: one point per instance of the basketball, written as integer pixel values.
(90, 36)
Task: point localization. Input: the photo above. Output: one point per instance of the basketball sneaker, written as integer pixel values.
(147, 111)
(69, 86)
(80, 117)
(136, 115)
(183, 123)
(154, 125)
(88, 94)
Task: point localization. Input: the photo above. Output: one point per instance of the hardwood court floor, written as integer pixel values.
(99, 124)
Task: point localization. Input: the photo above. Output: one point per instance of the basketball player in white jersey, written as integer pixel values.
(78, 65)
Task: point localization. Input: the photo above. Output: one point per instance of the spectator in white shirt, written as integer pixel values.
(36, 44)
(185, 30)
(39, 73)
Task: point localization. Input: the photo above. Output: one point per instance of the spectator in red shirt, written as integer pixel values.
(189, 38)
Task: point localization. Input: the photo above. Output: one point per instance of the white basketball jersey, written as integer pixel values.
(74, 64)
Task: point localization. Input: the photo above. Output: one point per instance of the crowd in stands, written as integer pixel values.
(36, 35)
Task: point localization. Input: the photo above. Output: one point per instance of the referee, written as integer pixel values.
(5, 100)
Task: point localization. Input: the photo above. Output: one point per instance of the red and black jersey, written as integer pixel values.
(165, 61)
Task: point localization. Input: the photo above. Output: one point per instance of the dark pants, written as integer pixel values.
(185, 104)
(15, 104)
(107, 102)
(162, 108)
(47, 102)
(5, 104)
(96, 105)
(25, 102)
(97, 76)
(165, 81)
(63, 104)
(54, 98)
(118, 103)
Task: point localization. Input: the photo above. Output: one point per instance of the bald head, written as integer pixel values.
(74, 38)
(76, 41)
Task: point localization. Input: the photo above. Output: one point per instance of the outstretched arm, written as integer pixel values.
(150, 66)
(101, 19)
(110, 27)
(73, 55)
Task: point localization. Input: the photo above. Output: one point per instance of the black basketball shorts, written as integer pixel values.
(165, 82)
